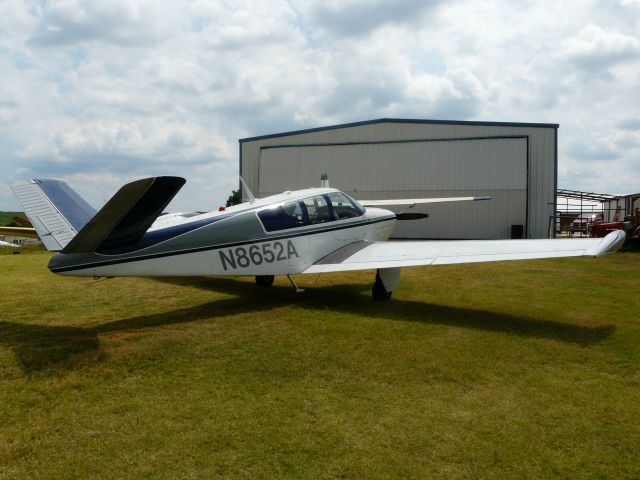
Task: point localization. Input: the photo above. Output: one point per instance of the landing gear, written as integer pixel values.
(387, 280)
(378, 292)
(295, 285)
(264, 280)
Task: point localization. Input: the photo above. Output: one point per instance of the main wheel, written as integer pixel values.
(264, 280)
(378, 292)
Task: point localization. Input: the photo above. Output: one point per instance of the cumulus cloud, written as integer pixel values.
(457, 94)
(595, 149)
(595, 48)
(359, 17)
(630, 124)
(122, 22)
(102, 93)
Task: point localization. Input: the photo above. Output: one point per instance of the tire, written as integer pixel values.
(378, 292)
(264, 280)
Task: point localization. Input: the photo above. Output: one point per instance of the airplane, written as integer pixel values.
(26, 230)
(4, 244)
(310, 231)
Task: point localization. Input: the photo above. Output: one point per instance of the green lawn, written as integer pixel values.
(505, 370)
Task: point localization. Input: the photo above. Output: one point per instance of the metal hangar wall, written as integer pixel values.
(514, 163)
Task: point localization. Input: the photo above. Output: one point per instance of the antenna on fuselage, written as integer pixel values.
(252, 199)
(324, 181)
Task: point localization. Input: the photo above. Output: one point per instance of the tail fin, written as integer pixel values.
(56, 211)
(66, 223)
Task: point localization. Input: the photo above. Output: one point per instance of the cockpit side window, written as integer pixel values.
(318, 209)
(282, 217)
(343, 206)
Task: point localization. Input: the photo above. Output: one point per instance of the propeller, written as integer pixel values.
(411, 216)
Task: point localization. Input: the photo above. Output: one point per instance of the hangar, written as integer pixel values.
(514, 163)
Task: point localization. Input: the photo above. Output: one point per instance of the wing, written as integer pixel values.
(367, 255)
(19, 232)
(416, 201)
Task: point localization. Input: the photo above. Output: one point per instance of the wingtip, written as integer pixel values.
(611, 243)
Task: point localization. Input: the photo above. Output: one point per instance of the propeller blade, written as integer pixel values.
(411, 216)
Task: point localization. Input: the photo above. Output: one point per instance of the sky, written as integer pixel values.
(105, 92)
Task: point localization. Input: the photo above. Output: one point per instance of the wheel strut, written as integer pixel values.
(298, 289)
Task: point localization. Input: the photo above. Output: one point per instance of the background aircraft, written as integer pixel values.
(314, 230)
(4, 244)
(25, 230)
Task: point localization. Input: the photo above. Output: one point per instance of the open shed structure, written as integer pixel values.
(621, 207)
(514, 163)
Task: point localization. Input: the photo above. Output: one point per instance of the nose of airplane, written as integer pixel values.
(384, 222)
(380, 214)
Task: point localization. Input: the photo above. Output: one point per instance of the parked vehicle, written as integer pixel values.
(584, 223)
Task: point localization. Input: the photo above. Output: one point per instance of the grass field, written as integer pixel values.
(506, 370)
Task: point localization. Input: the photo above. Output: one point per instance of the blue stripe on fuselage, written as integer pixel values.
(157, 236)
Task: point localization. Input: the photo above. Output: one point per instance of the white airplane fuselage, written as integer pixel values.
(234, 242)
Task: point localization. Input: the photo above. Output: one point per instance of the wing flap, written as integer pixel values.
(369, 255)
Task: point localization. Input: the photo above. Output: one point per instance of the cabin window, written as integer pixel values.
(318, 209)
(344, 206)
(282, 217)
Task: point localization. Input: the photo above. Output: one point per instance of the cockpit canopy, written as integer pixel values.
(327, 207)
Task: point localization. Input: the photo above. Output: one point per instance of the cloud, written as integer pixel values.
(241, 26)
(630, 124)
(121, 22)
(358, 17)
(458, 94)
(596, 49)
(102, 93)
(594, 149)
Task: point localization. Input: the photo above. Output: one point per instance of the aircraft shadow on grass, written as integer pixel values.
(42, 348)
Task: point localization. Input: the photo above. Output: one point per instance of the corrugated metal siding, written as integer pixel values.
(541, 150)
(446, 165)
(416, 169)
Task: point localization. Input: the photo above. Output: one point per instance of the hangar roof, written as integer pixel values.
(401, 120)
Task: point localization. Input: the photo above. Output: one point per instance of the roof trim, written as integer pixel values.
(386, 142)
(401, 120)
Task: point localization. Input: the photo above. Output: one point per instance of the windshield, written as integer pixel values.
(344, 206)
(310, 211)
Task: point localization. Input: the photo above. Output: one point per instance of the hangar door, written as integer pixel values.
(495, 167)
